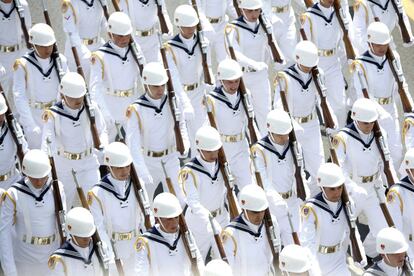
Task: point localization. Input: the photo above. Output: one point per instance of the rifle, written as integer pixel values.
(90, 111)
(203, 46)
(267, 27)
(102, 255)
(237, 8)
(379, 138)
(59, 211)
(344, 24)
(116, 5)
(398, 74)
(274, 242)
(15, 129)
(296, 152)
(308, 3)
(140, 194)
(172, 100)
(118, 262)
(224, 168)
(403, 22)
(248, 107)
(57, 62)
(295, 235)
(188, 240)
(161, 18)
(20, 13)
(104, 5)
(218, 240)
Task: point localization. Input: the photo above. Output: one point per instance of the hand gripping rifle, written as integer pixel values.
(57, 62)
(140, 194)
(59, 211)
(172, 100)
(188, 240)
(267, 27)
(274, 241)
(224, 167)
(203, 47)
(102, 255)
(218, 240)
(20, 13)
(344, 24)
(161, 18)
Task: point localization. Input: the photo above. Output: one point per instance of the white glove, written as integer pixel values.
(189, 113)
(331, 131)
(185, 153)
(147, 179)
(3, 73)
(217, 226)
(99, 153)
(259, 66)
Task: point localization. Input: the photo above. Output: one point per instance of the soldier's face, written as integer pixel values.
(156, 91)
(82, 242)
(252, 15)
(327, 3)
(187, 32)
(365, 127)
(209, 156)
(394, 260)
(305, 69)
(44, 51)
(121, 173)
(280, 139)
(333, 194)
(38, 182)
(255, 217)
(73, 103)
(379, 50)
(121, 41)
(169, 225)
(231, 86)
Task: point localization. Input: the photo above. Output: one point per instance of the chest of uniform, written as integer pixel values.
(82, 267)
(7, 146)
(124, 204)
(8, 15)
(41, 207)
(156, 117)
(379, 75)
(144, 5)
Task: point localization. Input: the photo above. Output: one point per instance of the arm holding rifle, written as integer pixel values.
(217, 239)
(274, 48)
(164, 19)
(25, 18)
(344, 23)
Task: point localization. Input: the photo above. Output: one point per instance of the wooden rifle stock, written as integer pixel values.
(406, 36)
(203, 49)
(96, 239)
(248, 107)
(237, 8)
(186, 236)
(140, 194)
(104, 8)
(218, 240)
(224, 169)
(172, 102)
(116, 5)
(59, 211)
(308, 3)
(343, 23)
(297, 159)
(118, 262)
(270, 41)
(15, 129)
(161, 18)
(20, 13)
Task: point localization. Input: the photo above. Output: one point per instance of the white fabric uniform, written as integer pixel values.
(70, 134)
(71, 259)
(277, 169)
(231, 121)
(284, 29)
(28, 228)
(11, 35)
(187, 58)
(144, 19)
(83, 23)
(408, 131)
(150, 133)
(400, 201)
(247, 247)
(250, 45)
(160, 253)
(302, 98)
(214, 16)
(324, 229)
(117, 216)
(363, 16)
(9, 173)
(115, 83)
(205, 193)
(360, 159)
(35, 88)
(380, 268)
(383, 89)
(322, 28)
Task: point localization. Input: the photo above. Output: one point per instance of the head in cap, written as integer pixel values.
(331, 180)
(42, 37)
(378, 38)
(80, 225)
(392, 246)
(73, 88)
(251, 9)
(408, 163)
(254, 202)
(306, 55)
(36, 166)
(186, 20)
(279, 125)
(154, 78)
(229, 73)
(3, 109)
(364, 113)
(166, 209)
(118, 158)
(120, 29)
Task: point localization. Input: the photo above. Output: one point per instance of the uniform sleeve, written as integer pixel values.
(142, 265)
(231, 10)
(308, 234)
(395, 206)
(97, 87)
(21, 101)
(230, 246)
(6, 225)
(243, 60)
(193, 197)
(279, 209)
(183, 128)
(69, 22)
(133, 140)
(360, 25)
(101, 126)
(48, 132)
(56, 266)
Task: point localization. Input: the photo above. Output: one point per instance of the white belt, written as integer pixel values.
(215, 20)
(281, 9)
(145, 33)
(6, 176)
(121, 93)
(41, 105)
(158, 154)
(40, 240)
(232, 138)
(305, 119)
(217, 212)
(323, 249)
(369, 178)
(10, 48)
(248, 69)
(326, 53)
(190, 87)
(124, 236)
(75, 156)
(384, 101)
(90, 41)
